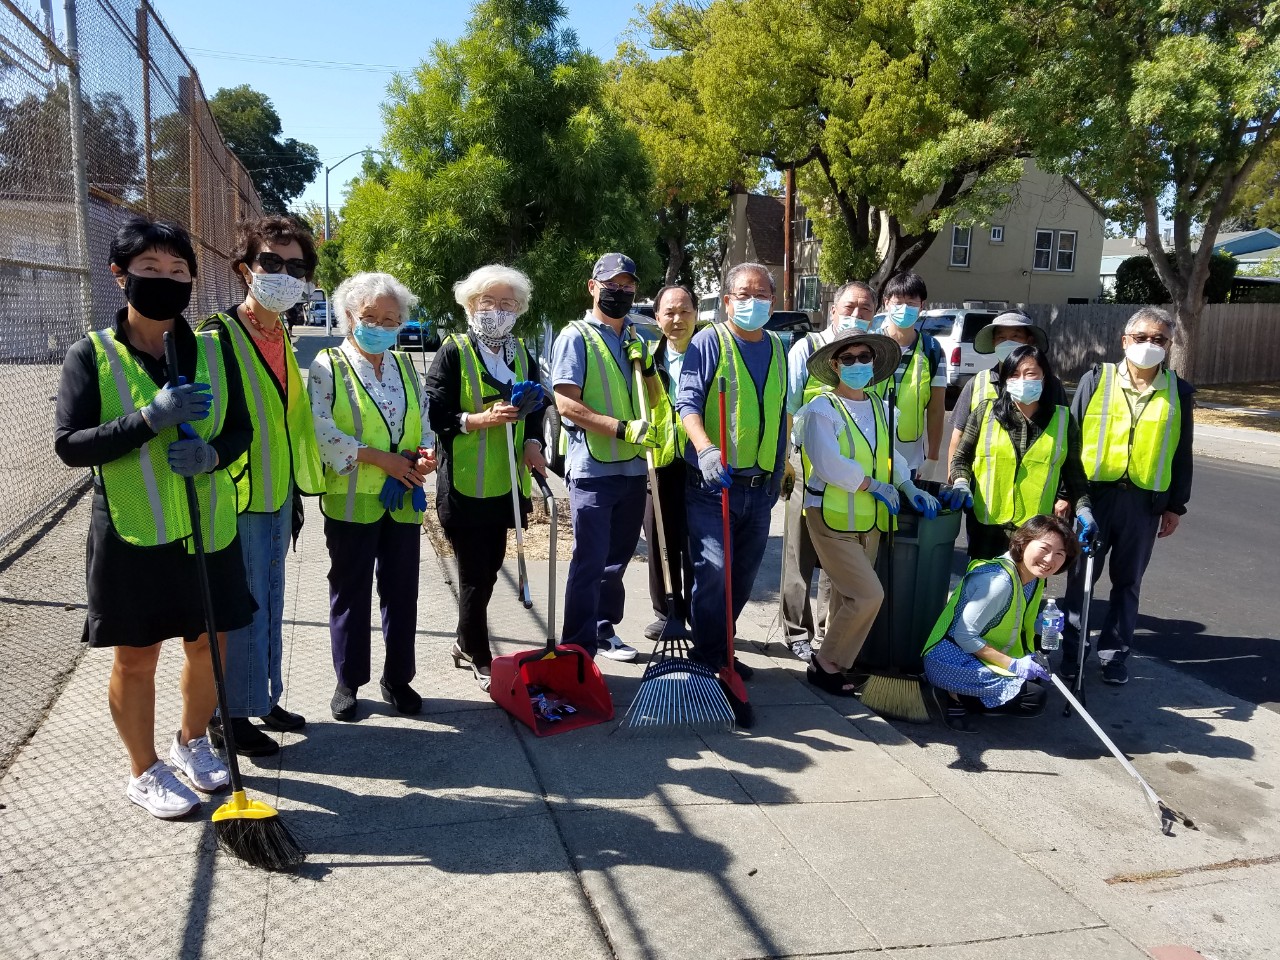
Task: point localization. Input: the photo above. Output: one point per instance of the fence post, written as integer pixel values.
(193, 151)
(143, 17)
(79, 163)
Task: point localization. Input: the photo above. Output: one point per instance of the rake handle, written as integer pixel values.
(724, 521)
(651, 466)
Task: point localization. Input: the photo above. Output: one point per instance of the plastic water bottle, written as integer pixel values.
(1052, 620)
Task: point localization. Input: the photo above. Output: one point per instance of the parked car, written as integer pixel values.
(954, 329)
(317, 313)
(789, 324)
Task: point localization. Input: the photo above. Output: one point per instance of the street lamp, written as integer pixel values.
(326, 182)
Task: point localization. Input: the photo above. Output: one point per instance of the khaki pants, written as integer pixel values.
(856, 594)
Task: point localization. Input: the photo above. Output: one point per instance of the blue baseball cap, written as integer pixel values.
(612, 264)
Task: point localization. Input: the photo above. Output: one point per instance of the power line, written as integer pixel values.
(295, 61)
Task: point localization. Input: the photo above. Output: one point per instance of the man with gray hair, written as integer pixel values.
(1135, 421)
(852, 308)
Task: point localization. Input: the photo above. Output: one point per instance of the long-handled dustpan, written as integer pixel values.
(1082, 646)
(675, 692)
(558, 688)
(248, 829)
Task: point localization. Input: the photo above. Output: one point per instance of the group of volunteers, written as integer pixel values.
(859, 411)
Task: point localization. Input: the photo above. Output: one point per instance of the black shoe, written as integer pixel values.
(952, 711)
(1115, 672)
(743, 716)
(742, 670)
(402, 696)
(654, 630)
(838, 684)
(250, 741)
(282, 721)
(343, 704)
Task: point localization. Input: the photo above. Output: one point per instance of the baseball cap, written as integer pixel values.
(612, 264)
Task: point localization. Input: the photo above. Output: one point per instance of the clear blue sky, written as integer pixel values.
(336, 108)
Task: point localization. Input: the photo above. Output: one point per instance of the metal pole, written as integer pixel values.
(326, 204)
(143, 17)
(79, 165)
(788, 241)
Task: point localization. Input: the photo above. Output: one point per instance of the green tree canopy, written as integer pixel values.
(1138, 282)
(281, 168)
(504, 150)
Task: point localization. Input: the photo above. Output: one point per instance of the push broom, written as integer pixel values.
(247, 829)
(675, 692)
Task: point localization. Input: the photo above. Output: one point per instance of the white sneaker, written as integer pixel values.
(160, 793)
(615, 649)
(201, 765)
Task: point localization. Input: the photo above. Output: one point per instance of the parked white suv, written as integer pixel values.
(954, 329)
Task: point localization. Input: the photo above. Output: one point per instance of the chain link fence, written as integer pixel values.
(128, 132)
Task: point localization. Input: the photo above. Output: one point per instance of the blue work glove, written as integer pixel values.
(957, 496)
(180, 404)
(392, 495)
(1086, 526)
(191, 457)
(885, 493)
(1029, 669)
(526, 397)
(419, 498)
(637, 349)
(714, 473)
(925, 504)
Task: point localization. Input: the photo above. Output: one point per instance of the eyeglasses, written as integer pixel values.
(1157, 339)
(488, 303)
(849, 359)
(274, 263)
(750, 295)
(375, 322)
(617, 287)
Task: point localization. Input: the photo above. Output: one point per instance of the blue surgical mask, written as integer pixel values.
(904, 315)
(751, 314)
(1024, 391)
(1004, 348)
(862, 326)
(374, 339)
(855, 376)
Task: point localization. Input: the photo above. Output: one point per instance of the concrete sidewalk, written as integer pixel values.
(823, 831)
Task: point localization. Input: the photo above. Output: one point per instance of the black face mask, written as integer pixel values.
(157, 298)
(615, 303)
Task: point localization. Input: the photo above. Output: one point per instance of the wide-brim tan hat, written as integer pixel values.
(885, 352)
(984, 341)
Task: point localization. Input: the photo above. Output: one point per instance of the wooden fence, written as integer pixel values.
(1237, 342)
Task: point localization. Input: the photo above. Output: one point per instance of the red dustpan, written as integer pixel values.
(558, 688)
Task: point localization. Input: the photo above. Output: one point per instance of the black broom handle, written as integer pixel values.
(206, 597)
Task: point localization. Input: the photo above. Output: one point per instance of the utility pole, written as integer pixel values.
(335, 166)
(788, 240)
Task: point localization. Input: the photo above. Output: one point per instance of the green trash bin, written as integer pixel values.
(922, 556)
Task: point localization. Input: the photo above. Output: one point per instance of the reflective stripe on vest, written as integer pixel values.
(813, 387)
(1114, 446)
(1012, 490)
(983, 389)
(146, 500)
(913, 392)
(284, 449)
(606, 389)
(755, 415)
(354, 497)
(479, 458)
(856, 511)
(1013, 634)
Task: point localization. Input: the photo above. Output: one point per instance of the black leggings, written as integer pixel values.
(479, 551)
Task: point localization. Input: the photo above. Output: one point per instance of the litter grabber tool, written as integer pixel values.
(522, 585)
(557, 688)
(1167, 814)
(675, 692)
(247, 829)
(1082, 644)
(730, 683)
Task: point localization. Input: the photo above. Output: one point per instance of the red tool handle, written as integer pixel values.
(724, 520)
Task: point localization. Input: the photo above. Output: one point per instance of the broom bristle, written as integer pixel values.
(897, 697)
(260, 842)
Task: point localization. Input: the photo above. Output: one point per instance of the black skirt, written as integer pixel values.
(139, 596)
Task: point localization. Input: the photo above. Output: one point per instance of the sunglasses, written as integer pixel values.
(849, 359)
(274, 263)
(1157, 339)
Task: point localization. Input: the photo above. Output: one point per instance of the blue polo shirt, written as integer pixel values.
(569, 366)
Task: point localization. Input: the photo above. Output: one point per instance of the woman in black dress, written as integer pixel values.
(117, 415)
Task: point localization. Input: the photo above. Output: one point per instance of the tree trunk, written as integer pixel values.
(1186, 315)
(675, 260)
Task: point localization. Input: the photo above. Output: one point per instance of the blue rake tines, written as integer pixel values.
(677, 693)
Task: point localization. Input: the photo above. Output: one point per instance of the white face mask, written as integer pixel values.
(276, 292)
(1144, 356)
(494, 324)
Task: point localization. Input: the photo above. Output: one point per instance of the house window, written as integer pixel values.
(808, 228)
(960, 246)
(808, 299)
(1043, 259)
(1065, 259)
(997, 234)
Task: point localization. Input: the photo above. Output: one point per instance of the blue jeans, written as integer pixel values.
(252, 667)
(749, 509)
(607, 515)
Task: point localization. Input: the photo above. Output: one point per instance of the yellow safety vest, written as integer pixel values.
(754, 420)
(813, 387)
(669, 428)
(606, 389)
(1014, 633)
(481, 458)
(147, 502)
(354, 497)
(983, 389)
(1012, 491)
(1114, 446)
(283, 450)
(912, 395)
(857, 511)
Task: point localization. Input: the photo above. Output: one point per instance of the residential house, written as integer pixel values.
(756, 223)
(1249, 247)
